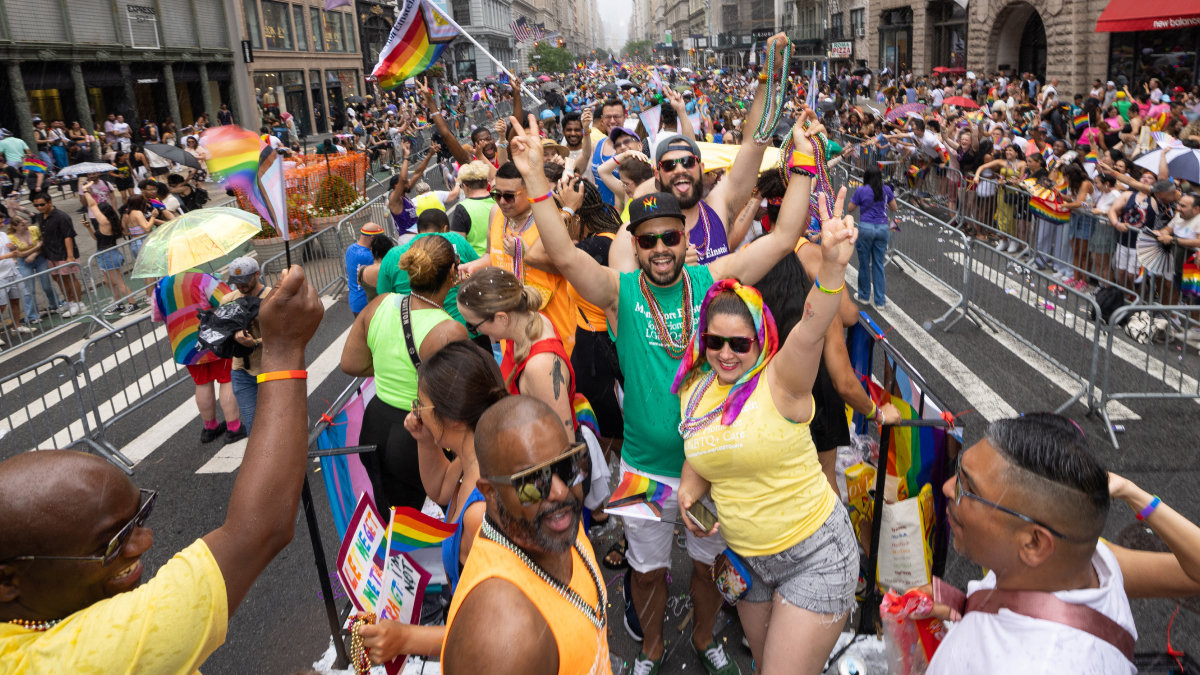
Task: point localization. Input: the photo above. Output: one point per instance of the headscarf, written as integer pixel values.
(765, 331)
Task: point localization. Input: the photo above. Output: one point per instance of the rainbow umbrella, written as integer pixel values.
(902, 111)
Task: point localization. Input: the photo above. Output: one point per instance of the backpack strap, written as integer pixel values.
(1047, 607)
(406, 324)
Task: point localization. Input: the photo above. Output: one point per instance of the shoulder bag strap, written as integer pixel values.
(406, 323)
(1046, 606)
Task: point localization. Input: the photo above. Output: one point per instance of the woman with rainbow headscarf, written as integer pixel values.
(746, 405)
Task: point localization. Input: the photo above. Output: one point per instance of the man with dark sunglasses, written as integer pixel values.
(531, 599)
(74, 533)
(1029, 503)
(652, 313)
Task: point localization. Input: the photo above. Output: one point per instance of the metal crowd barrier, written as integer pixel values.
(321, 254)
(31, 290)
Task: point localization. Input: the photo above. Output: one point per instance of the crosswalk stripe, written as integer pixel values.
(978, 394)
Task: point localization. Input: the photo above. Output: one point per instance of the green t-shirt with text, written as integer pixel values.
(392, 279)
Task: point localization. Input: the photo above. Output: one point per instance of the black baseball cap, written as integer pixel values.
(653, 205)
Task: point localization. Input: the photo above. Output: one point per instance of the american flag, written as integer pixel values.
(539, 31)
(520, 29)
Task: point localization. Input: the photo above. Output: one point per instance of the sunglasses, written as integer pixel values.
(668, 165)
(960, 492)
(739, 345)
(505, 196)
(417, 408)
(670, 239)
(533, 484)
(474, 327)
(113, 551)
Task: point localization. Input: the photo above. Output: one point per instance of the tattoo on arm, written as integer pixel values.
(808, 310)
(557, 376)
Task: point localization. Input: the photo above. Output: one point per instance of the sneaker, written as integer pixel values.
(1001, 245)
(129, 309)
(24, 329)
(1013, 246)
(1057, 276)
(878, 305)
(235, 436)
(860, 299)
(36, 319)
(642, 665)
(632, 624)
(716, 661)
(210, 435)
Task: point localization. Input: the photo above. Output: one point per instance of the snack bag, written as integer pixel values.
(909, 643)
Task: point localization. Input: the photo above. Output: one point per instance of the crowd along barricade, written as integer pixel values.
(1161, 363)
(41, 408)
(374, 211)
(32, 304)
(321, 254)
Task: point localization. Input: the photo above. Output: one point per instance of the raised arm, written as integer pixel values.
(261, 517)
(584, 161)
(448, 137)
(685, 123)
(1158, 575)
(742, 225)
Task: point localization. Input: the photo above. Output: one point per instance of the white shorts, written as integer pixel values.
(1126, 259)
(11, 288)
(650, 541)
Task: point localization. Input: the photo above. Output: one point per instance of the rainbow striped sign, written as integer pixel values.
(642, 493)
(410, 530)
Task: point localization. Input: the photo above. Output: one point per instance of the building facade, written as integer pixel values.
(143, 59)
(487, 21)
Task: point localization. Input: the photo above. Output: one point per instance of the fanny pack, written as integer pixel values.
(732, 576)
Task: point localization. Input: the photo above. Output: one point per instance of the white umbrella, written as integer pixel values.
(1183, 163)
(86, 167)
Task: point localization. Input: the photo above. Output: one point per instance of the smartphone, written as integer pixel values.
(701, 516)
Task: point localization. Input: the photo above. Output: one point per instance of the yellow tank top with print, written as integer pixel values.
(766, 479)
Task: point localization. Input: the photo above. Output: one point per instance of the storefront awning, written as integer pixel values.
(1125, 16)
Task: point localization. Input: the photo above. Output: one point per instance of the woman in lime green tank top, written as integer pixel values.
(746, 405)
(377, 347)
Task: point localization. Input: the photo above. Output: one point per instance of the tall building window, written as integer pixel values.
(317, 32)
(949, 34)
(335, 40)
(462, 12)
(250, 7)
(277, 25)
(729, 18)
(835, 26)
(350, 42)
(857, 22)
(301, 33)
(895, 39)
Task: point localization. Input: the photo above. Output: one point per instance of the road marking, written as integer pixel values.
(977, 393)
(1016, 347)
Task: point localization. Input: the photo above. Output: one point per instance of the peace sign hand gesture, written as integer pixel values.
(838, 232)
(525, 149)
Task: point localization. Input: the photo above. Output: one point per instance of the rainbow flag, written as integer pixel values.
(155, 204)
(35, 164)
(418, 38)
(1091, 158)
(411, 530)
(1080, 122)
(176, 300)
(584, 414)
(233, 160)
(636, 489)
(911, 450)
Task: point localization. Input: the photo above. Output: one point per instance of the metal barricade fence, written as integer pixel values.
(374, 211)
(1165, 366)
(321, 254)
(24, 299)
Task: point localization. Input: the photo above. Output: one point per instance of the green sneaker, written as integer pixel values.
(643, 665)
(716, 661)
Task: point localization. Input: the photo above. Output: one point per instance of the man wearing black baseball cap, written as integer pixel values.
(653, 315)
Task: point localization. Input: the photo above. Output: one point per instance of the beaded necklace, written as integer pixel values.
(359, 654)
(704, 221)
(675, 349)
(692, 425)
(822, 177)
(773, 106)
(518, 256)
(37, 625)
(596, 615)
(421, 297)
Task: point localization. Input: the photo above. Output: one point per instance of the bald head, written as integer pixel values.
(511, 436)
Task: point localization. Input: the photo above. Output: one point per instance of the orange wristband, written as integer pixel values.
(535, 200)
(283, 375)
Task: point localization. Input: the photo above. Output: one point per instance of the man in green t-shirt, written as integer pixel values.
(652, 316)
(1122, 105)
(392, 279)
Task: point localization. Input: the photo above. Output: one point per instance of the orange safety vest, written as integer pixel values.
(582, 648)
(557, 304)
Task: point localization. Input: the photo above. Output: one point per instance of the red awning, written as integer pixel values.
(1124, 16)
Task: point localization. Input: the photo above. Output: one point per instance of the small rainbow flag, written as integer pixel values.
(1091, 158)
(418, 38)
(155, 204)
(233, 160)
(411, 530)
(584, 414)
(635, 489)
(1080, 122)
(35, 164)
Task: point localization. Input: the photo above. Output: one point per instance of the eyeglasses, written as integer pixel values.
(474, 327)
(670, 239)
(668, 165)
(417, 408)
(739, 345)
(533, 484)
(613, 118)
(960, 492)
(113, 551)
(505, 196)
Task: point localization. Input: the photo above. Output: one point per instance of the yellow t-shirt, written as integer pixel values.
(169, 625)
(766, 479)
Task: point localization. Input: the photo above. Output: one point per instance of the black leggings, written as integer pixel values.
(596, 371)
(394, 468)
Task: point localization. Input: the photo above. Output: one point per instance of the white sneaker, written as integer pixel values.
(860, 299)
(24, 329)
(1013, 246)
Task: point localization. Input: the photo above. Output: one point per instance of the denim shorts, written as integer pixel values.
(818, 574)
(1081, 226)
(112, 259)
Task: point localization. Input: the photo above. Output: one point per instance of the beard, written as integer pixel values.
(693, 195)
(532, 535)
(665, 278)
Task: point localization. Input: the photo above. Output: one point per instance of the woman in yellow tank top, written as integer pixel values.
(746, 404)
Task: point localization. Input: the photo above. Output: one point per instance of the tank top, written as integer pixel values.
(598, 158)
(452, 547)
(766, 480)
(395, 375)
(478, 210)
(511, 369)
(556, 302)
(370, 290)
(708, 235)
(590, 317)
(103, 241)
(407, 218)
(1138, 213)
(582, 648)
(428, 200)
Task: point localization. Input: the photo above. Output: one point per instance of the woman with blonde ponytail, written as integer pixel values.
(377, 346)
(493, 301)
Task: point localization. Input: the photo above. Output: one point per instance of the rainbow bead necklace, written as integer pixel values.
(675, 349)
(692, 425)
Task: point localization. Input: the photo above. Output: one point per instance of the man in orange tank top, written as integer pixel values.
(531, 600)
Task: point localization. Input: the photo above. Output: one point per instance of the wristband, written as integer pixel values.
(569, 210)
(1145, 513)
(283, 375)
(874, 416)
(535, 200)
(826, 290)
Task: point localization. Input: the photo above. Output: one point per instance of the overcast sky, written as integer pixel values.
(615, 15)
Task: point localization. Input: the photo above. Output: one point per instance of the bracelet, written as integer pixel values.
(874, 412)
(569, 210)
(502, 145)
(535, 200)
(1145, 513)
(283, 375)
(835, 291)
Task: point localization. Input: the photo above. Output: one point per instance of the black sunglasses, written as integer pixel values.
(474, 327)
(739, 345)
(670, 239)
(533, 484)
(960, 492)
(113, 551)
(668, 165)
(504, 196)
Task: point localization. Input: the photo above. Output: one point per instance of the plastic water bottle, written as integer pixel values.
(851, 665)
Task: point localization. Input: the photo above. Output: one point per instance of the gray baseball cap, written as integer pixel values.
(676, 142)
(1163, 185)
(242, 270)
